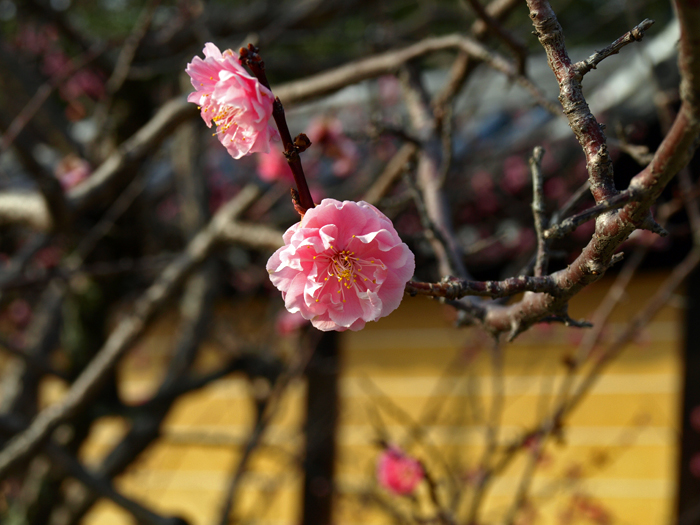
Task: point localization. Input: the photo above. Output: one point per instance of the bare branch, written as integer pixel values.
(392, 172)
(634, 35)
(515, 44)
(538, 211)
(452, 289)
(556, 231)
(124, 335)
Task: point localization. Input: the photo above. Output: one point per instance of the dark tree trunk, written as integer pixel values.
(321, 418)
(688, 504)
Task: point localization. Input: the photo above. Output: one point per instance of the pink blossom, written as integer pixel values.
(237, 103)
(71, 171)
(328, 134)
(342, 265)
(273, 166)
(398, 472)
(288, 323)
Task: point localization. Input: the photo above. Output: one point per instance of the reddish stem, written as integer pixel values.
(250, 57)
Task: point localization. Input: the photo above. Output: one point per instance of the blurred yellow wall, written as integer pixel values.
(615, 461)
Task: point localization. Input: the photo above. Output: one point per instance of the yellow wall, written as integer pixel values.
(618, 451)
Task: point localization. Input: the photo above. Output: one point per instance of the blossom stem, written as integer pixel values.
(250, 57)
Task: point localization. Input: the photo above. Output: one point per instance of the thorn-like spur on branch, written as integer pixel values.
(557, 231)
(250, 57)
(635, 35)
(451, 288)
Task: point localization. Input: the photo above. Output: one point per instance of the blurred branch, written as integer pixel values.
(121, 68)
(124, 335)
(391, 174)
(515, 44)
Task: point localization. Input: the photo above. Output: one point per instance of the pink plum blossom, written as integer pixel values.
(234, 100)
(328, 133)
(71, 171)
(342, 265)
(288, 323)
(273, 166)
(398, 472)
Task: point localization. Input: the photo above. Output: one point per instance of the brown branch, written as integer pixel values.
(634, 35)
(107, 178)
(124, 335)
(515, 44)
(556, 231)
(584, 125)
(538, 211)
(452, 289)
(614, 227)
(364, 69)
(391, 174)
(250, 57)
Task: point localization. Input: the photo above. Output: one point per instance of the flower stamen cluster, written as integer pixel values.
(238, 105)
(346, 266)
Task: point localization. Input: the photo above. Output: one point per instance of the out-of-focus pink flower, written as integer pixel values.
(398, 472)
(694, 465)
(236, 102)
(342, 265)
(71, 171)
(288, 323)
(328, 134)
(695, 418)
(20, 312)
(273, 166)
(515, 174)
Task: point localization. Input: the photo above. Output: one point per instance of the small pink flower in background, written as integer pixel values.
(695, 418)
(236, 102)
(20, 312)
(273, 166)
(288, 323)
(328, 134)
(71, 171)
(342, 265)
(515, 174)
(398, 472)
(694, 465)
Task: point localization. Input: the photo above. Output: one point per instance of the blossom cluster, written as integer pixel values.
(343, 264)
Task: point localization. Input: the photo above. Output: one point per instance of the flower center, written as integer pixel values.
(224, 119)
(344, 267)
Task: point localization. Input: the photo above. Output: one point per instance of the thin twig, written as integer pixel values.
(634, 35)
(518, 47)
(538, 211)
(250, 57)
(557, 231)
(491, 437)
